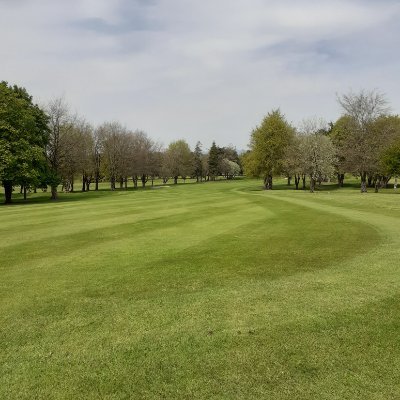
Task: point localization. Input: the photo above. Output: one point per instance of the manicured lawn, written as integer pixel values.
(209, 291)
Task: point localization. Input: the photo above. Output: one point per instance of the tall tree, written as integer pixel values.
(390, 161)
(115, 146)
(178, 159)
(317, 150)
(229, 168)
(23, 137)
(268, 143)
(197, 162)
(97, 156)
(141, 157)
(360, 150)
(386, 133)
(205, 166)
(85, 150)
(61, 124)
(339, 134)
(294, 160)
(213, 161)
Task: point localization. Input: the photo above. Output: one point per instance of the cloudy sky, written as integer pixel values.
(200, 70)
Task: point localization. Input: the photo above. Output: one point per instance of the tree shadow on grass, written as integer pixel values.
(63, 197)
(78, 195)
(324, 187)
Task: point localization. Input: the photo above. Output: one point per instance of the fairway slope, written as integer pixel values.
(215, 290)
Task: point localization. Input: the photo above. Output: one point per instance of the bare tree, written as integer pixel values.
(84, 149)
(142, 157)
(61, 123)
(114, 148)
(205, 167)
(156, 157)
(178, 160)
(360, 150)
(97, 156)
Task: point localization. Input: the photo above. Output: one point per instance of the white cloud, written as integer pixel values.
(200, 70)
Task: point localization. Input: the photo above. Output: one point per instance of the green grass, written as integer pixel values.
(209, 291)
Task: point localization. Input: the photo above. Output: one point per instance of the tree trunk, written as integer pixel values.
(340, 178)
(363, 187)
(312, 185)
(144, 180)
(24, 192)
(377, 185)
(289, 180)
(385, 182)
(126, 183)
(97, 182)
(7, 191)
(175, 180)
(135, 181)
(54, 194)
(364, 183)
(268, 182)
(304, 182)
(83, 183)
(297, 181)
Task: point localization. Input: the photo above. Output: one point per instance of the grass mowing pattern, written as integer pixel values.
(201, 291)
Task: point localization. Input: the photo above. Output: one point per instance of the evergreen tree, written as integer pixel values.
(213, 161)
(197, 162)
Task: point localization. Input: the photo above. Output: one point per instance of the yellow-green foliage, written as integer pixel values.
(267, 146)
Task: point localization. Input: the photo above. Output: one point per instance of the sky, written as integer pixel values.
(200, 70)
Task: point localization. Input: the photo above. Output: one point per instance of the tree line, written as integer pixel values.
(45, 147)
(364, 142)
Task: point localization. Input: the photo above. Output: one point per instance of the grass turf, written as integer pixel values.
(216, 290)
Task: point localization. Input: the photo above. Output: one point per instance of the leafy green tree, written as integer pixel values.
(339, 134)
(386, 133)
(390, 160)
(268, 143)
(23, 137)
